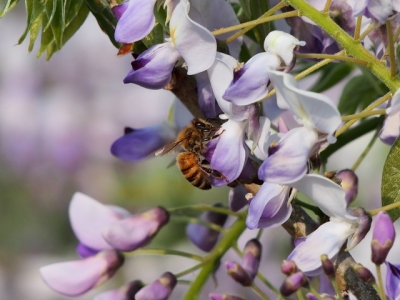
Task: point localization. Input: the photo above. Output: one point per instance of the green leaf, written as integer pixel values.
(9, 5)
(390, 189)
(34, 12)
(156, 36)
(359, 92)
(331, 74)
(257, 9)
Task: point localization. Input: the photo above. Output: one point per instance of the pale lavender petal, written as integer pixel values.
(221, 74)
(288, 163)
(195, 43)
(88, 218)
(269, 207)
(152, 69)
(250, 83)
(219, 14)
(136, 231)
(136, 22)
(391, 127)
(327, 195)
(377, 9)
(74, 278)
(138, 144)
(327, 239)
(396, 5)
(230, 155)
(310, 109)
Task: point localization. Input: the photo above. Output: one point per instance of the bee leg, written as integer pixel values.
(215, 173)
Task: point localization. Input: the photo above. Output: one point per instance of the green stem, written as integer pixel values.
(327, 6)
(165, 252)
(380, 281)
(365, 152)
(231, 236)
(188, 271)
(391, 49)
(358, 28)
(364, 115)
(333, 57)
(315, 293)
(388, 207)
(337, 290)
(264, 280)
(352, 47)
(259, 292)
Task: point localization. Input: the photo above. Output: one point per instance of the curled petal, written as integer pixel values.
(74, 278)
(310, 109)
(250, 83)
(136, 231)
(288, 163)
(269, 207)
(327, 239)
(138, 144)
(118, 10)
(326, 194)
(391, 127)
(237, 198)
(393, 280)
(89, 217)
(152, 69)
(195, 43)
(206, 97)
(230, 148)
(380, 10)
(136, 22)
(282, 44)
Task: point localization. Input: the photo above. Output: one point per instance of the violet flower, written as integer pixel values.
(126, 292)
(378, 10)
(391, 127)
(393, 281)
(159, 289)
(382, 237)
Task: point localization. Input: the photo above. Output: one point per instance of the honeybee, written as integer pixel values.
(191, 162)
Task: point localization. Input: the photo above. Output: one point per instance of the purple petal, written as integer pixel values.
(136, 22)
(159, 289)
(126, 292)
(118, 10)
(269, 207)
(74, 278)
(237, 199)
(377, 9)
(85, 251)
(136, 231)
(289, 161)
(152, 69)
(206, 96)
(88, 218)
(391, 127)
(393, 280)
(140, 143)
(230, 148)
(249, 84)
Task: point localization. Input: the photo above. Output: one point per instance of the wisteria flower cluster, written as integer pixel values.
(258, 131)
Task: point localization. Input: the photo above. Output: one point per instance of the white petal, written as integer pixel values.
(311, 109)
(327, 239)
(282, 44)
(195, 43)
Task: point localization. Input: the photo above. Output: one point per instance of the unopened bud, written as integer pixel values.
(223, 297)
(293, 283)
(134, 232)
(349, 182)
(128, 292)
(202, 236)
(238, 273)
(382, 237)
(159, 289)
(364, 273)
(327, 266)
(251, 257)
(364, 224)
(289, 267)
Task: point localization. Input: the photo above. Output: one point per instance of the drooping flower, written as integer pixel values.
(159, 289)
(382, 237)
(74, 278)
(293, 283)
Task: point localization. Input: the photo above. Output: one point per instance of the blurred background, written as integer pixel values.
(58, 120)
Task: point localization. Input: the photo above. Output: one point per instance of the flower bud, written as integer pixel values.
(238, 273)
(392, 280)
(126, 292)
(327, 266)
(364, 273)
(293, 283)
(159, 289)
(289, 267)
(204, 237)
(136, 231)
(223, 297)
(349, 182)
(74, 278)
(251, 257)
(364, 224)
(282, 44)
(382, 237)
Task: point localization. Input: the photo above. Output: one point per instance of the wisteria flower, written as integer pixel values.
(391, 127)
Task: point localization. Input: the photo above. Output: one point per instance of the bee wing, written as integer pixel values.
(168, 147)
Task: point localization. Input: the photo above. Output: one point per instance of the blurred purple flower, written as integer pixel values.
(159, 289)
(382, 237)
